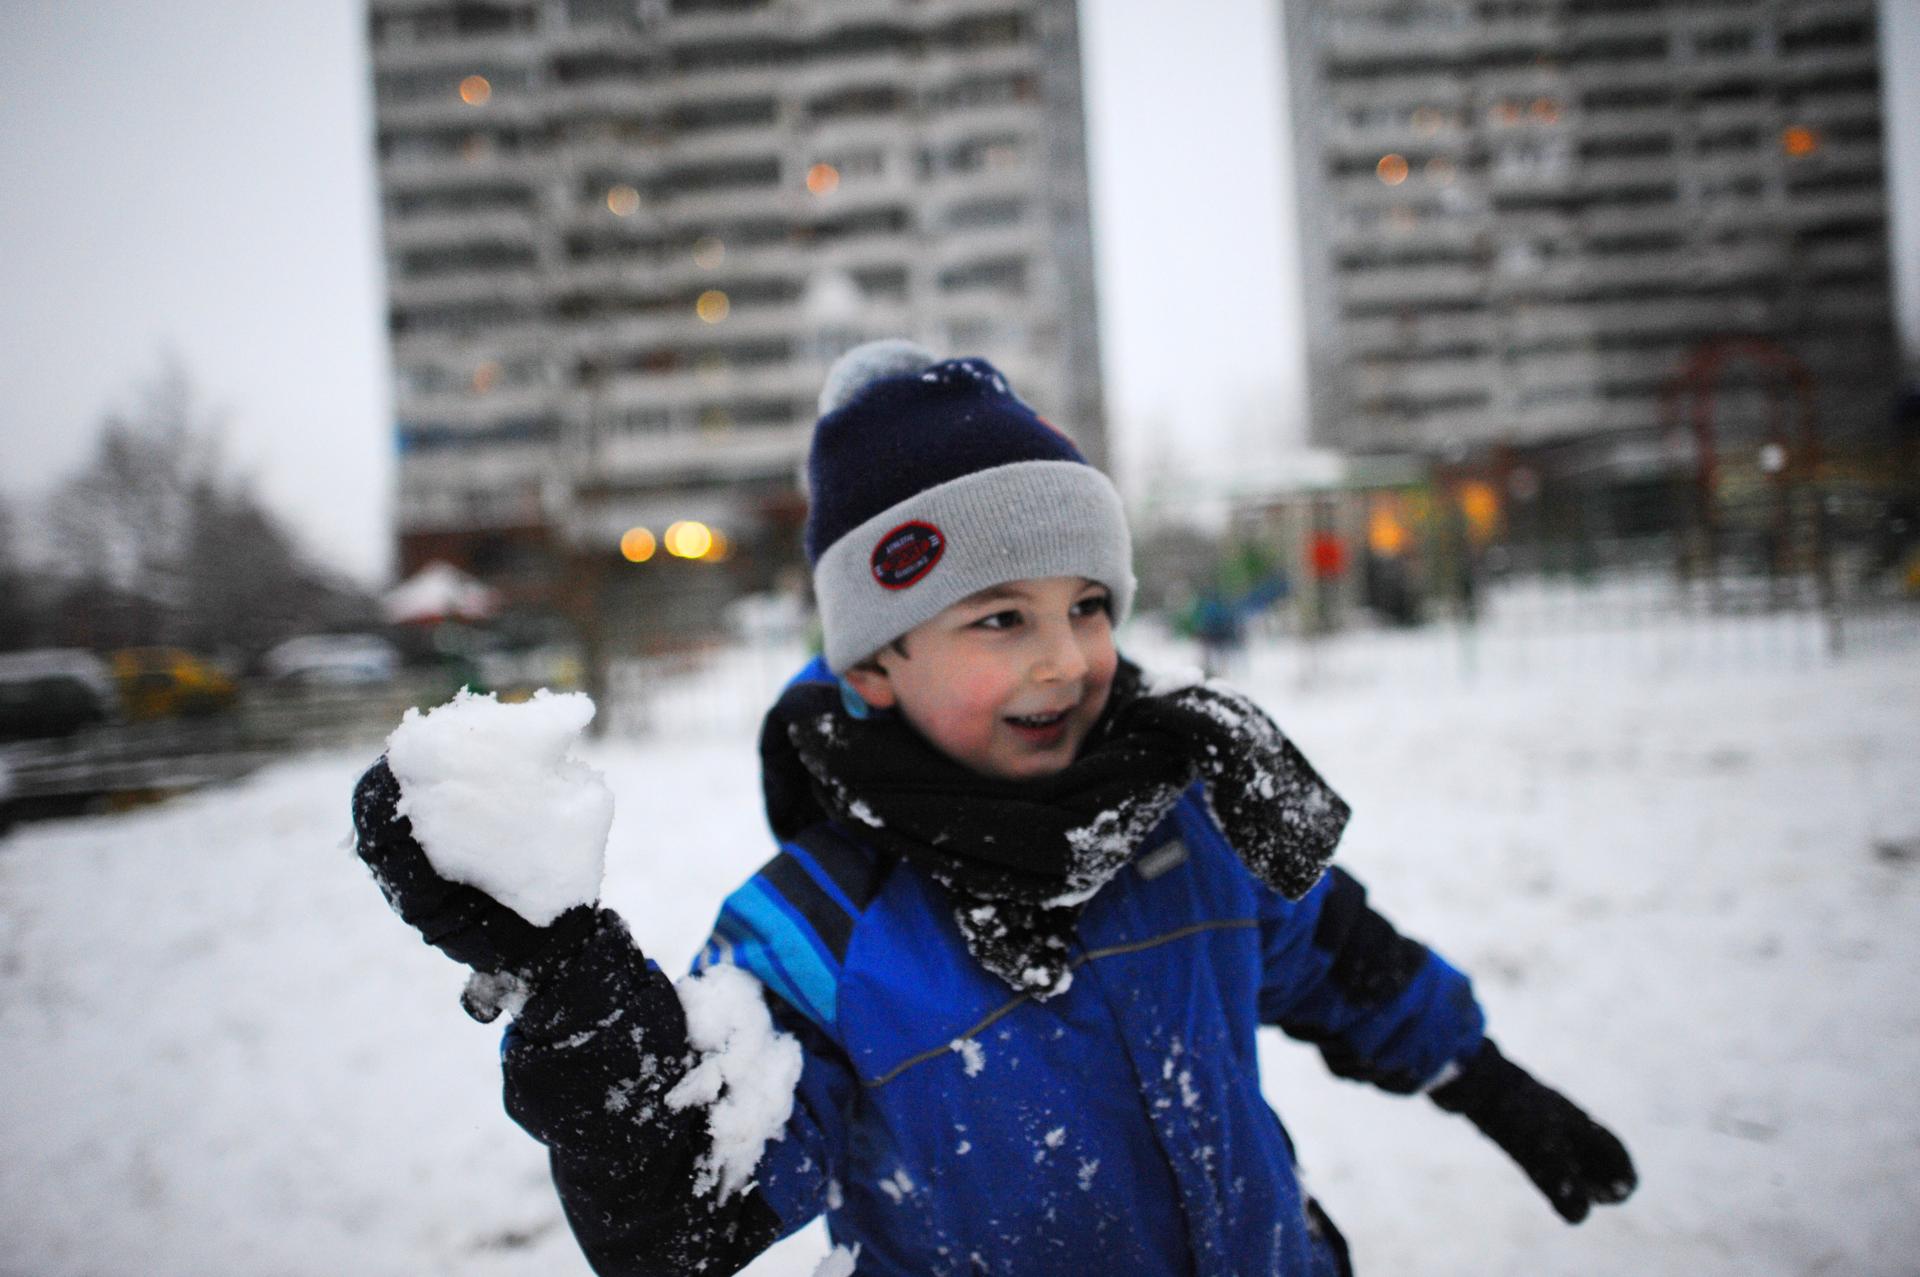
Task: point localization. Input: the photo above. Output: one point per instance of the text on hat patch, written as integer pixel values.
(907, 553)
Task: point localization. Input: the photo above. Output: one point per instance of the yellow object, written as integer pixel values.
(689, 540)
(167, 682)
(637, 545)
(1386, 535)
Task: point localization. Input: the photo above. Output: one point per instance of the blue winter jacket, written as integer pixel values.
(947, 1125)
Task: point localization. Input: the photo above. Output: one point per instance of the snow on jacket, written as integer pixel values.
(948, 1126)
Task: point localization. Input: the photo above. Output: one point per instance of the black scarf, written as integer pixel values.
(1022, 858)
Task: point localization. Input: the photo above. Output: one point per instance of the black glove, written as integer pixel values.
(1274, 808)
(462, 922)
(1570, 1157)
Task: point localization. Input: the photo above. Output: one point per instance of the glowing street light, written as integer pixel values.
(689, 539)
(475, 90)
(1392, 168)
(823, 179)
(712, 307)
(636, 545)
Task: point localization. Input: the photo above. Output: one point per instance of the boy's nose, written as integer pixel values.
(1062, 659)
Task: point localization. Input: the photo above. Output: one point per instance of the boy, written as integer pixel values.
(1028, 911)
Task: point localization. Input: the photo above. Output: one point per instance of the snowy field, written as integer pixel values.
(1691, 900)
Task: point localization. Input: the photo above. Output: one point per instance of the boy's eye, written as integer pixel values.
(999, 620)
(1093, 605)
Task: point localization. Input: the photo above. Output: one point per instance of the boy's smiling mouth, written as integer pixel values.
(1042, 730)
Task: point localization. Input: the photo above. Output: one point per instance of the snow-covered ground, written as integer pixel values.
(1691, 902)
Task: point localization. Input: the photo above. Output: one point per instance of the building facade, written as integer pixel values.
(1523, 218)
(625, 238)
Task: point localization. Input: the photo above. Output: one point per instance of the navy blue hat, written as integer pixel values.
(929, 481)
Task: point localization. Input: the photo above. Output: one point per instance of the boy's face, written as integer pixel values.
(1007, 682)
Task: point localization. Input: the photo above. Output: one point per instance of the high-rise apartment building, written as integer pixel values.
(625, 238)
(1521, 217)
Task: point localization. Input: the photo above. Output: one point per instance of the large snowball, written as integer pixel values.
(498, 801)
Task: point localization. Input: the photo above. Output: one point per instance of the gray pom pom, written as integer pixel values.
(868, 362)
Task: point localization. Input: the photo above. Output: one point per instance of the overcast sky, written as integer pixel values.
(195, 177)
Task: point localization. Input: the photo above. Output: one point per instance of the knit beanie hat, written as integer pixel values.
(930, 481)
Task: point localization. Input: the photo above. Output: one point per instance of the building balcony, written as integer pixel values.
(403, 173)
(636, 159)
(643, 458)
(787, 320)
(438, 230)
(688, 389)
(520, 285)
(475, 411)
(521, 108)
(459, 54)
(481, 465)
(1424, 380)
(485, 341)
(1798, 209)
(1393, 336)
(1412, 285)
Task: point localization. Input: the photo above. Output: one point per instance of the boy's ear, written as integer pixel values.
(875, 688)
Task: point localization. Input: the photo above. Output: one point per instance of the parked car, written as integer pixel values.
(169, 682)
(333, 659)
(54, 692)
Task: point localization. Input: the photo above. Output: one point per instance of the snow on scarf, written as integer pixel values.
(1022, 858)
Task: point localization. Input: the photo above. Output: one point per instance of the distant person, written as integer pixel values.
(1220, 630)
(1029, 908)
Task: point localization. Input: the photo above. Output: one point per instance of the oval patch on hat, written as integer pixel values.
(907, 553)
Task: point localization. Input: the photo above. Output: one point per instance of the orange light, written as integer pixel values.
(475, 90)
(1507, 112)
(823, 179)
(712, 306)
(1392, 168)
(1386, 535)
(623, 200)
(709, 251)
(1481, 505)
(722, 548)
(1440, 171)
(486, 377)
(689, 539)
(1546, 110)
(1799, 141)
(636, 545)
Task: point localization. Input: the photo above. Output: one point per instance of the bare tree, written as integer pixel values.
(158, 543)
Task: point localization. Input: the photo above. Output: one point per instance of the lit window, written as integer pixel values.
(636, 545)
(1799, 141)
(623, 200)
(689, 539)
